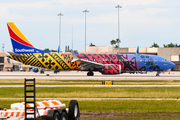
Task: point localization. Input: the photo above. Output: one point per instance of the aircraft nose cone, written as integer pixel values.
(171, 65)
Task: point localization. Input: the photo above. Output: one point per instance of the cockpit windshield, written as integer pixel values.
(164, 60)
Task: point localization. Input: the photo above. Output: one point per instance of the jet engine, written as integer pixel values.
(111, 69)
(35, 69)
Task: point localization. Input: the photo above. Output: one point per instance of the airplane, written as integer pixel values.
(107, 64)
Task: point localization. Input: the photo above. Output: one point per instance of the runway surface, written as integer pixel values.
(74, 75)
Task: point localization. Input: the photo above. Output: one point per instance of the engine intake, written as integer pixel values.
(35, 69)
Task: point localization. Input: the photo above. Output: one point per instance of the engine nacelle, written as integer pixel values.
(111, 69)
(35, 69)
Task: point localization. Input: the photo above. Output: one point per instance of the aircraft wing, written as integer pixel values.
(86, 64)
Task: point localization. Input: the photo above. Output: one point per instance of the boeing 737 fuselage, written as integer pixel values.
(105, 63)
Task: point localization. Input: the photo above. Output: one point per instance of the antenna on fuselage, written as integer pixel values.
(137, 51)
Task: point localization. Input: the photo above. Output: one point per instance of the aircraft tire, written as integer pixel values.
(42, 72)
(90, 73)
(157, 74)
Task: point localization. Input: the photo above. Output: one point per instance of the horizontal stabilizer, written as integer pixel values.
(14, 54)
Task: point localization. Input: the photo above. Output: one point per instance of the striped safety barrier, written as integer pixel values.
(55, 104)
(17, 109)
(11, 113)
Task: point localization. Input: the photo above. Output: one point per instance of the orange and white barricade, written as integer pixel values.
(17, 109)
(12, 114)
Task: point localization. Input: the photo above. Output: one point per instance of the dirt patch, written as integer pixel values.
(129, 115)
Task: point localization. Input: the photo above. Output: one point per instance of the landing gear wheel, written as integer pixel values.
(90, 73)
(55, 72)
(42, 71)
(73, 110)
(157, 74)
(63, 116)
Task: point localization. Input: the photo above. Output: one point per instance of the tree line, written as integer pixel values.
(115, 43)
(165, 45)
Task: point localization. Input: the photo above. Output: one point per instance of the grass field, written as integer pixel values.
(140, 106)
(106, 109)
(95, 92)
(124, 109)
(93, 82)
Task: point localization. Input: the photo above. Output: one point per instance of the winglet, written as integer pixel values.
(58, 49)
(75, 58)
(137, 51)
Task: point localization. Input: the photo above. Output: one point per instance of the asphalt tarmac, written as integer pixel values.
(74, 75)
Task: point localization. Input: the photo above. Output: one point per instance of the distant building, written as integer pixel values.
(7, 64)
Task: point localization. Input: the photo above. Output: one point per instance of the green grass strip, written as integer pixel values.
(140, 106)
(95, 92)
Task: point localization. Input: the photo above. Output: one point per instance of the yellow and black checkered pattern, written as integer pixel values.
(53, 61)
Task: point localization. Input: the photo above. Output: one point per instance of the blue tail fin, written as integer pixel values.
(19, 42)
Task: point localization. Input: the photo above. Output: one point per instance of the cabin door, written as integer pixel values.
(155, 61)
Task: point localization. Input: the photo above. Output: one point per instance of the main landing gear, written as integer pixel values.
(42, 71)
(90, 73)
(157, 73)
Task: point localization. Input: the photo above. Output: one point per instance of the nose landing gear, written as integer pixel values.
(157, 73)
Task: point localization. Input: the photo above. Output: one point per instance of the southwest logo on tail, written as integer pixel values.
(104, 63)
(19, 42)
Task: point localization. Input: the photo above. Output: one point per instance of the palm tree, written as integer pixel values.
(117, 42)
(155, 45)
(113, 42)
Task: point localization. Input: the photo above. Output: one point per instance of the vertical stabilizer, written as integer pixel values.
(19, 42)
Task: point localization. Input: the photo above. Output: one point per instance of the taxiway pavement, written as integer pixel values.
(74, 75)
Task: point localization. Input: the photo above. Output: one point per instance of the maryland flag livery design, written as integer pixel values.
(26, 53)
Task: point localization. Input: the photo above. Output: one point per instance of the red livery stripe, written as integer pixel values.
(18, 39)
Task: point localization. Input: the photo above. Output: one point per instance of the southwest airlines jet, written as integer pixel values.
(26, 53)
